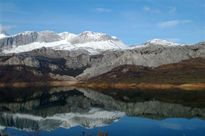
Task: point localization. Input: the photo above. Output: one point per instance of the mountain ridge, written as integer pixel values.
(91, 41)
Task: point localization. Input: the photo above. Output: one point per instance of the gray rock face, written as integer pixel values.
(47, 36)
(28, 37)
(60, 64)
(73, 59)
(19, 39)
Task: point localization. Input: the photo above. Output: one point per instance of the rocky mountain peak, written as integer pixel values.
(89, 36)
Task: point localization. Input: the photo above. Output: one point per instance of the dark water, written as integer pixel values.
(65, 111)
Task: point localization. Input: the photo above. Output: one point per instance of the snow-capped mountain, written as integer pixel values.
(159, 42)
(156, 42)
(91, 41)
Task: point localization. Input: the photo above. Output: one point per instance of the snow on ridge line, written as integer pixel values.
(159, 42)
(89, 33)
(64, 45)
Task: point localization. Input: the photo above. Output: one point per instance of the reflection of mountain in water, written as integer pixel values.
(152, 108)
(50, 108)
(90, 119)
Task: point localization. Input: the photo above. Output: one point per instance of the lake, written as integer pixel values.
(68, 111)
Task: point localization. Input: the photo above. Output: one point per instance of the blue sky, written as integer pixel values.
(132, 21)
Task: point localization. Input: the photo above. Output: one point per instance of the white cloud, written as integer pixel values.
(171, 23)
(103, 10)
(172, 10)
(5, 28)
(185, 21)
(148, 9)
(168, 23)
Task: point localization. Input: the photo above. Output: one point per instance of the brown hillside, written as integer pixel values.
(187, 71)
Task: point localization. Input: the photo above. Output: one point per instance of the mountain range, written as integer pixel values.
(47, 56)
(90, 41)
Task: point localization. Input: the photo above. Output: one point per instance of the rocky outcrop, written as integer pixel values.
(71, 59)
(59, 65)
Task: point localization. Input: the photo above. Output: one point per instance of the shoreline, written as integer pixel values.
(148, 86)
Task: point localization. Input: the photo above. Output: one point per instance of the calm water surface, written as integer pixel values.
(65, 111)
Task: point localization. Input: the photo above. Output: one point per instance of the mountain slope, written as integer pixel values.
(187, 71)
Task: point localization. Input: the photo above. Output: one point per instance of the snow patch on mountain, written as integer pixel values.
(2, 35)
(67, 36)
(23, 33)
(156, 42)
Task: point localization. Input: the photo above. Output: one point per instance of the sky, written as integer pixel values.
(132, 21)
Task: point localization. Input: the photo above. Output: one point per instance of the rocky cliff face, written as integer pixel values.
(45, 61)
(26, 38)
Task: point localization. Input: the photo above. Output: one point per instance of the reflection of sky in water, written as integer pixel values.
(133, 126)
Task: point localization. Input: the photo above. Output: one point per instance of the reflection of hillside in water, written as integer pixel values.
(50, 108)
